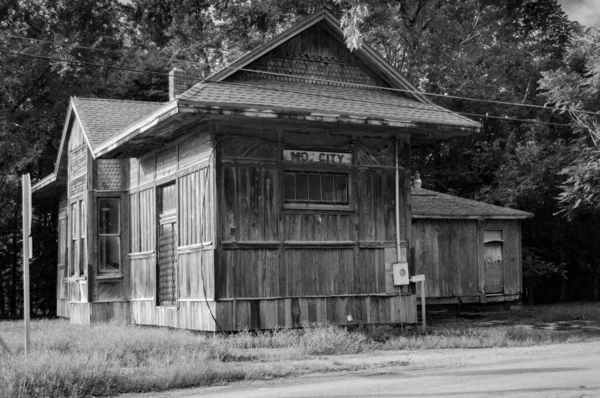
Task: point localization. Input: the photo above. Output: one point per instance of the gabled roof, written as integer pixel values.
(430, 204)
(365, 53)
(102, 119)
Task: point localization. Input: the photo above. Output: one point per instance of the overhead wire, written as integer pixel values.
(430, 108)
(438, 108)
(94, 64)
(106, 50)
(516, 104)
(497, 102)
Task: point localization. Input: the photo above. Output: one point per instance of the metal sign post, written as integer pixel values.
(27, 251)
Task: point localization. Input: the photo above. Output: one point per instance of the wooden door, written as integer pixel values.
(493, 258)
(166, 266)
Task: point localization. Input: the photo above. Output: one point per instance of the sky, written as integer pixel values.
(586, 12)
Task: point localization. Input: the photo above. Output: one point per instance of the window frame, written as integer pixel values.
(347, 170)
(100, 270)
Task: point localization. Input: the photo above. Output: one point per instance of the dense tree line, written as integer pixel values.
(523, 51)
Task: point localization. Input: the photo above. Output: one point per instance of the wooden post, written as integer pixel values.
(415, 279)
(423, 315)
(26, 210)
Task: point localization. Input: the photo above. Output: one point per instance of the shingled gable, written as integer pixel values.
(296, 79)
(431, 204)
(99, 120)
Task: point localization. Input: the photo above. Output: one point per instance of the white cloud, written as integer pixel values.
(586, 12)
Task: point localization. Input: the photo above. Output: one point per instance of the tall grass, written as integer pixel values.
(106, 359)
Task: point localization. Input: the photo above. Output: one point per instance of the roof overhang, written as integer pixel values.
(57, 179)
(167, 123)
(470, 217)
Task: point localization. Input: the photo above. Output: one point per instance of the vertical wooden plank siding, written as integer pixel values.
(186, 163)
(446, 252)
(321, 264)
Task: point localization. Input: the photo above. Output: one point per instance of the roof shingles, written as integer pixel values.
(318, 98)
(432, 204)
(102, 119)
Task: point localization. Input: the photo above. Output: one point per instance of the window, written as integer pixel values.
(73, 266)
(109, 235)
(82, 233)
(77, 265)
(315, 188)
(62, 242)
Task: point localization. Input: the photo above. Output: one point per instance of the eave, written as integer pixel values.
(470, 217)
(181, 113)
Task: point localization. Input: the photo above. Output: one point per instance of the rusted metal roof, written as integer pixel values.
(102, 119)
(431, 204)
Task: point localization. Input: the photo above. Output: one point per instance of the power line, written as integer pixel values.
(516, 104)
(94, 64)
(200, 80)
(434, 108)
(97, 49)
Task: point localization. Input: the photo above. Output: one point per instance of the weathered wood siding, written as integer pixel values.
(450, 254)
(189, 163)
(446, 252)
(276, 259)
(76, 215)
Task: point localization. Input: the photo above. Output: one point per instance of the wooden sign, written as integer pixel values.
(299, 156)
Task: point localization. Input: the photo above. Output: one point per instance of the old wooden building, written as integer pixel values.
(274, 193)
(469, 251)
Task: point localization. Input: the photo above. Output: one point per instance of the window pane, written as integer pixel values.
(82, 261)
(289, 186)
(62, 237)
(314, 187)
(327, 188)
(341, 188)
(74, 221)
(108, 220)
(82, 218)
(301, 187)
(109, 251)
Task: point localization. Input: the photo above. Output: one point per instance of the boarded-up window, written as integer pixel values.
(147, 169)
(317, 188)
(147, 220)
(195, 224)
(109, 235)
(493, 262)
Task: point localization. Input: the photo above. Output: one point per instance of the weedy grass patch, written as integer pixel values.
(111, 358)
